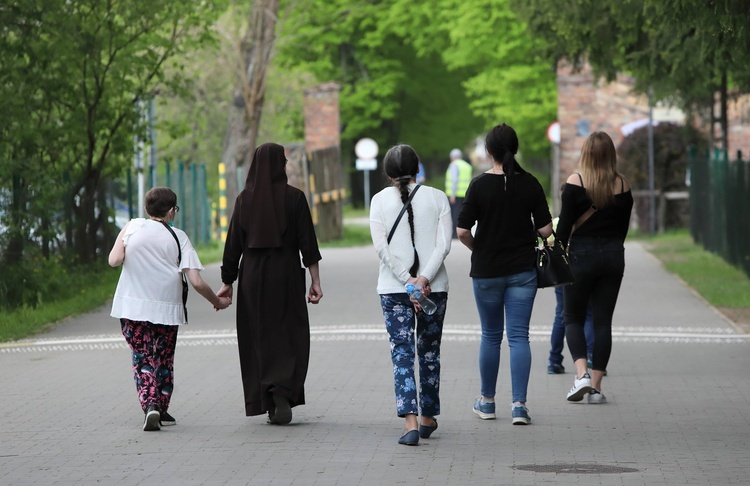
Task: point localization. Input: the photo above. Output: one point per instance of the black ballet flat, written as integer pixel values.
(426, 430)
(410, 438)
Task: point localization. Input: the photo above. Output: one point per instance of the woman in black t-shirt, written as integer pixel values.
(596, 204)
(507, 204)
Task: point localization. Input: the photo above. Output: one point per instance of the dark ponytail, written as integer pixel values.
(402, 164)
(502, 143)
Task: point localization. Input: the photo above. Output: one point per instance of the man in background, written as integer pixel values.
(457, 179)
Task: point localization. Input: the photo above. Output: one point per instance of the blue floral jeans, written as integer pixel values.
(400, 322)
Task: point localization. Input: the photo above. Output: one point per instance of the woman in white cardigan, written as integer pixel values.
(415, 254)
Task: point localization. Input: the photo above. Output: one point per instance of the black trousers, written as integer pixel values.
(598, 265)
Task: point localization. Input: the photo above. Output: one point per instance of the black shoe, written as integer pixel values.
(425, 431)
(410, 438)
(283, 413)
(167, 420)
(151, 421)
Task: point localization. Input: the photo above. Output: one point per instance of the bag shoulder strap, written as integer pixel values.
(179, 249)
(403, 210)
(589, 212)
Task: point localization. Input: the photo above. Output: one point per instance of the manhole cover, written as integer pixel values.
(575, 469)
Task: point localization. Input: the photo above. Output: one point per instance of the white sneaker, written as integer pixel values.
(595, 396)
(581, 386)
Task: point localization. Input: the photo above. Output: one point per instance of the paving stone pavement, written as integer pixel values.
(678, 390)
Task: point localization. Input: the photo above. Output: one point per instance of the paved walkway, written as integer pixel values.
(678, 390)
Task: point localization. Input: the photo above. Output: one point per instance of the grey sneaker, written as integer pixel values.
(485, 410)
(581, 386)
(595, 396)
(520, 415)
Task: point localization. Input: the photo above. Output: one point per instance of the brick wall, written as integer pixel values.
(738, 114)
(587, 105)
(585, 102)
(322, 117)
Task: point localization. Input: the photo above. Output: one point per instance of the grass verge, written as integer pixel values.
(99, 288)
(725, 287)
(26, 321)
(354, 235)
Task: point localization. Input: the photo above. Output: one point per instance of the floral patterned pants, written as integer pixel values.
(153, 347)
(400, 320)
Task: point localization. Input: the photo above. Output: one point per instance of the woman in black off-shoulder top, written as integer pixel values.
(594, 220)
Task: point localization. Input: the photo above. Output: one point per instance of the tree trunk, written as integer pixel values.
(85, 219)
(723, 114)
(256, 51)
(16, 239)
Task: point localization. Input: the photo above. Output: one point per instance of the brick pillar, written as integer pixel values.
(322, 117)
(324, 171)
(587, 104)
(576, 93)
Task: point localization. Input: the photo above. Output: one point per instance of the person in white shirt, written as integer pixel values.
(148, 300)
(415, 254)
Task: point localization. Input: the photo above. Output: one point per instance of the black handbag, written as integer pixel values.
(185, 287)
(552, 265)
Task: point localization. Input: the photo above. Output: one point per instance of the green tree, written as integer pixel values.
(683, 50)
(80, 67)
(397, 58)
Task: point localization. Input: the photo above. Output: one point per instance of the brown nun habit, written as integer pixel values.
(270, 228)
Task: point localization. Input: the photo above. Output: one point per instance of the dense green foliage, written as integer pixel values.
(433, 73)
(683, 49)
(75, 76)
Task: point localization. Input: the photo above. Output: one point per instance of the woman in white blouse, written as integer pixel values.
(420, 242)
(148, 300)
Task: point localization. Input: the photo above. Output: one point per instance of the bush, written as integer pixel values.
(671, 145)
(36, 280)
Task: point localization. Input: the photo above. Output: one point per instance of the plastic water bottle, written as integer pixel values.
(415, 292)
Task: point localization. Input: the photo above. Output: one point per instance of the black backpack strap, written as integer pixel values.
(403, 210)
(184, 279)
(179, 249)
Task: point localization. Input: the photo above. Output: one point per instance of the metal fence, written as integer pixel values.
(189, 183)
(720, 205)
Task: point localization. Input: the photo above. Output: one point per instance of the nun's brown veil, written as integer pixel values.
(263, 213)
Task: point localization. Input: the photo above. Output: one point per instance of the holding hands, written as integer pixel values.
(225, 297)
(224, 302)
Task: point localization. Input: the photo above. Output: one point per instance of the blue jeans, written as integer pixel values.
(557, 338)
(499, 299)
(400, 322)
(598, 265)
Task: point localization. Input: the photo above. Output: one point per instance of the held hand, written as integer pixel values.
(226, 291)
(224, 302)
(316, 293)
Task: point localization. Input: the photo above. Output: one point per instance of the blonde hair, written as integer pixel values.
(599, 168)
